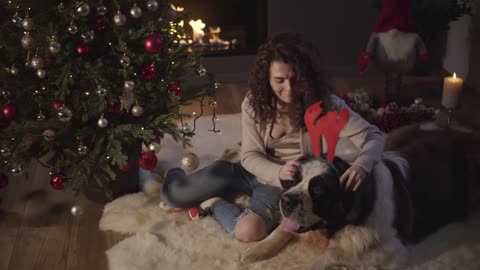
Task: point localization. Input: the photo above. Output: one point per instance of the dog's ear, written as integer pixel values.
(362, 202)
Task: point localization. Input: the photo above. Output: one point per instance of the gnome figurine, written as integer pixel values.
(394, 46)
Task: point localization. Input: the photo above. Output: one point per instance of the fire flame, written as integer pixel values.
(197, 27)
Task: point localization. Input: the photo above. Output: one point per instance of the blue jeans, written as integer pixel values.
(223, 179)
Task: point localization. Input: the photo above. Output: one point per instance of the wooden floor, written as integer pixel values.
(37, 230)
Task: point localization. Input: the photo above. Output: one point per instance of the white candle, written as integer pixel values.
(452, 88)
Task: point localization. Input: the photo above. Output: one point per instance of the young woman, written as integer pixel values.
(286, 79)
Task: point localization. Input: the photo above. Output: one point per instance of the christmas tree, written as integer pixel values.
(88, 82)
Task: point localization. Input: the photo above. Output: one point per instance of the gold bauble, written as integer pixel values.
(189, 162)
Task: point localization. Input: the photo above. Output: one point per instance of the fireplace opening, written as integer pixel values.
(223, 27)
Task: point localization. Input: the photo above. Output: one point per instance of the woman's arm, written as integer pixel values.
(367, 137)
(253, 157)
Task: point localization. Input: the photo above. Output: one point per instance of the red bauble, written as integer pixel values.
(57, 104)
(153, 43)
(115, 109)
(9, 111)
(3, 180)
(101, 23)
(175, 89)
(148, 72)
(148, 160)
(126, 167)
(57, 182)
(83, 50)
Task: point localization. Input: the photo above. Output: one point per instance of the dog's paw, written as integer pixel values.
(258, 252)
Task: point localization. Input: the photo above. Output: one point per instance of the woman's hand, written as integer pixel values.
(288, 171)
(288, 174)
(353, 177)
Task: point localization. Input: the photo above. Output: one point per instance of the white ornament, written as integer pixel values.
(64, 114)
(37, 62)
(83, 9)
(137, 110)
(54, 47)
(125, 61)
(152, 5)
(41, 73)
(14, 70)
(136, 12)
(27, 23)
(48, 135)
(76, 210)
(102, 10)
(102, 122)
(27, 41)
(189, 162)
(101, 91)
(119, 19)
(72, 29)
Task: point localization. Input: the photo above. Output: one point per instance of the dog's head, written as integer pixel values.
(318, 201)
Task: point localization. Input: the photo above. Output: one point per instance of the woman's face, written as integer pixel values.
(282, 81)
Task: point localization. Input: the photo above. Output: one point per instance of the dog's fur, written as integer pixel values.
(368, 228)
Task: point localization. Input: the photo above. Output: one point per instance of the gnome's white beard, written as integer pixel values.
(397, 45)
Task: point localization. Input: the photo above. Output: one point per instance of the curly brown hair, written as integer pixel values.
(310, 85)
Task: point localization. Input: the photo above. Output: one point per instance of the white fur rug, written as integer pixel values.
(170, 241)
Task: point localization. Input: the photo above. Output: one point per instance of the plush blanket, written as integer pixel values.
(170, 241)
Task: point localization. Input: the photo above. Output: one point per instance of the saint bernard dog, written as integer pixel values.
(425, 180)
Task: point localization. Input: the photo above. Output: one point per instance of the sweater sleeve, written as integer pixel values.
(367, 137)
(253, 157)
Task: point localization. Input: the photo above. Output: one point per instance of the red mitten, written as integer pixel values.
(424, 57)
(363, 61)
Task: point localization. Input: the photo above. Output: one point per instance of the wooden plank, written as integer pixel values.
(33, 229)
(12, 207)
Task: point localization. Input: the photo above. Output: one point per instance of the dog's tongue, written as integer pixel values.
(290, 226)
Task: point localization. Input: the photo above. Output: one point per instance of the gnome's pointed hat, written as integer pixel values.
(395, 14)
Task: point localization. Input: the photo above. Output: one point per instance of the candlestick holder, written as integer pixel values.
(449, 117)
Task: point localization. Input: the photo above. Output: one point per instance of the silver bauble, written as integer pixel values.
(27, 23)
(83, 9)
(129, 85)
(88, 36)
(16, 19)
(418, 101)
(102, 122)
(72, 29)
(64, 114)
(136, 12)
(76, 210)
(125, 61)
(119, 19)
(17, 170)
(48, 135)
(154, 146)
(101, 91)
(189, 162)
(54, 47)
(186, 128)
(82, 149)
(27, 41)
(212, 104)
(41, 73)
(40, 116)
(202, 72)
(102, 10)
(5, 152)
(152, 5)
(137, 110)
(14, 70)
(37, 62)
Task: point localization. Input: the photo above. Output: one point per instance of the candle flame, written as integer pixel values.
(454, 75)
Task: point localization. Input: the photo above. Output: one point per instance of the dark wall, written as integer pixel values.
(473, 78)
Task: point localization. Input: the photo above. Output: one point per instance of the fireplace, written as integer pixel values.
(223, 27)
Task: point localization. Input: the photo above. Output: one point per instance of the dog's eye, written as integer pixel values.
(317, 191)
